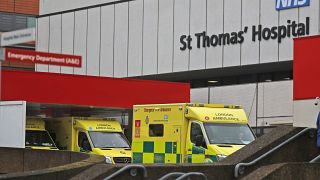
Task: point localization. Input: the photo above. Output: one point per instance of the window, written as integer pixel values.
(195, 131)
(156, 130)
(83, 142)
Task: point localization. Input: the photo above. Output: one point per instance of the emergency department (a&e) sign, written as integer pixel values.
(36, 57)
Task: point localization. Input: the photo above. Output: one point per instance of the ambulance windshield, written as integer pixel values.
(108, 140)
(38, 138)
(223, 133)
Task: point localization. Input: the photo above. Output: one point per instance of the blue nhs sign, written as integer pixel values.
(287, 4)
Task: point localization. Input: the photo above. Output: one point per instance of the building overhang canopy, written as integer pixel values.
(64, 89)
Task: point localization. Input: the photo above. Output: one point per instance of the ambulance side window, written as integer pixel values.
(196, 135)
(155, 130)
(83, 142)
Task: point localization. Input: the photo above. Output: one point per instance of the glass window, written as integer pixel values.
(156, 130)
(195, 131)
(83, 142)
(31, 22)
(108, 140)
(219, 133)
(38, 138)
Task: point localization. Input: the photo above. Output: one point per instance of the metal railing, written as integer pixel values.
(133, 171)
(316, 159)
(181, 175)
(240, 167)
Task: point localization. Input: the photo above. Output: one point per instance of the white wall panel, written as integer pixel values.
(305, 113)
(197, 25)
(80, 39)
(67, 38)
(181, 27)
(244, 95)
(199, 95)
(150, 36)
(311, 11)
(48, 6)
(107, 35)
(13, 124)
(121, 40)
(275, 102)
(214, 26)
(250, 16)
(55, 39)
(269, 18)
(42, 40)
(232, 23)
(135, 38)
(93, 42)
(286, 45)
(165, 39)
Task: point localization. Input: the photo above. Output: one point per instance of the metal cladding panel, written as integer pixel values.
(232, 23)
(181, 27)
(55, 39)
(214, 26)
(13, 124)
(42, 40)
(165, 36)
(93, 41)
(198, 24)
(67, 45)
(150, 37)
(55, 88)
(80, 40)
(269, 18)
(250, 16)
(135, 38)
(121, 40)
(306, 68)
(63, 5)
(107, 41)
(313, 12)
(199, 95)
(305, 113)
(286, 45)
(276, 99)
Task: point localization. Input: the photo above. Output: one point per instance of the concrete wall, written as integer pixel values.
(38, 164)
(275, 103)
(142, 37)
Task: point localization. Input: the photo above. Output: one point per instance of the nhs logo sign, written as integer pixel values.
(287, 4)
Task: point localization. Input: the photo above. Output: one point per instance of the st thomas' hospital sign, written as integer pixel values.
(258, 33)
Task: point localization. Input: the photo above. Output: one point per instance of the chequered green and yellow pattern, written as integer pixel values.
(201, 155)
(156, 152)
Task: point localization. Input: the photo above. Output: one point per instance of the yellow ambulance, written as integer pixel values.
(102, 136)
(36, 135)
(188, 133)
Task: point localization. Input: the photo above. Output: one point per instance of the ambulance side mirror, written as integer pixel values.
(199, 140)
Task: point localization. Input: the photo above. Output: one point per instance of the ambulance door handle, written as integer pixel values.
(189, 149)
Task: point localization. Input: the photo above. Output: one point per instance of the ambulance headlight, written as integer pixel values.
(108, 160)
(220, 157)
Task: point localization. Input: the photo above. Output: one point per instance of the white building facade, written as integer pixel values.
(241, 45)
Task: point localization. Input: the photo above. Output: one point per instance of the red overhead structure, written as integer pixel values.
(52, 88)
(306, 68)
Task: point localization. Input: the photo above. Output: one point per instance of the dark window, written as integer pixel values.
(156, 130)
(83, 142)
(195, 131)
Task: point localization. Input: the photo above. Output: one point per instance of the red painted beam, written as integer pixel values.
(52, 88)
(306, 68)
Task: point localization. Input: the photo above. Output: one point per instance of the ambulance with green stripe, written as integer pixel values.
(188, 133)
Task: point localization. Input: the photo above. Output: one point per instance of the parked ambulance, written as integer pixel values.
(188, 133)
(102, 136)
(36, 135)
